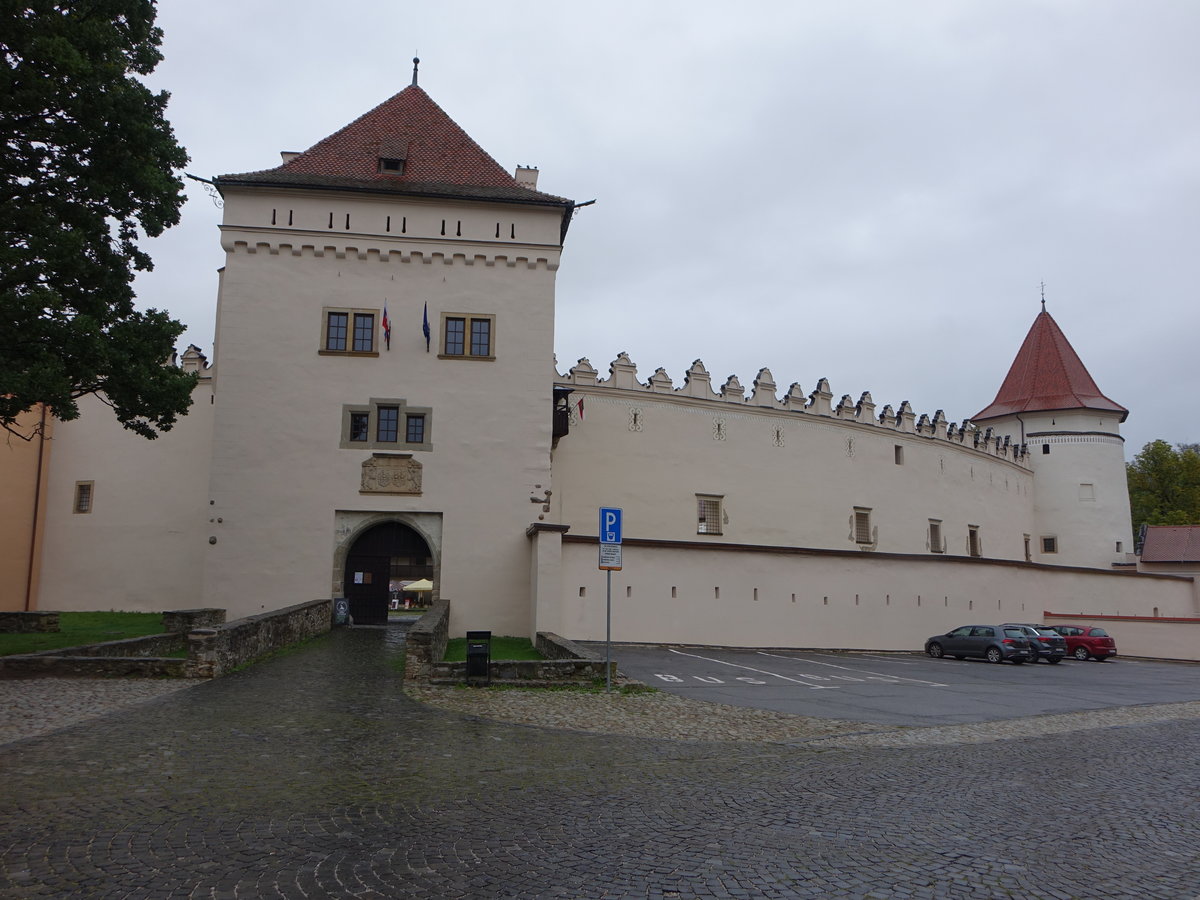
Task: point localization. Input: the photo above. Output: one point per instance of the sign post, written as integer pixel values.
(610, 561)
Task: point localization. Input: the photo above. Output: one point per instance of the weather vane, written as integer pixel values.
(1043, 296)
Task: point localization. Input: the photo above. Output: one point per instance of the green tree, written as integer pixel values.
(89, 166)
(1164, 485)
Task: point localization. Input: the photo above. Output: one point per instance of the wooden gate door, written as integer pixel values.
(391, 551)
(367, 588)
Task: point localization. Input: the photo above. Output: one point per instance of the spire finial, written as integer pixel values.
(1043, 296)
(416, 62)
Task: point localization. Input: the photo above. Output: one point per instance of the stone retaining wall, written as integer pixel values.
(92, 666)
(552, 646)
(426, 642)
(182, 620)
(214, 651)
(28, 622)
(525, 672)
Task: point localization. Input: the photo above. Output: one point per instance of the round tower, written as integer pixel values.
(1050, 403)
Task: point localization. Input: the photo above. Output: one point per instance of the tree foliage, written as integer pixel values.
(1164, 484)
(89, 166)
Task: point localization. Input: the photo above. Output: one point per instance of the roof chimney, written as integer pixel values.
(527, 176)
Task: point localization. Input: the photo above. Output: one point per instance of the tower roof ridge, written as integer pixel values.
(426, 151)
(1047, 374)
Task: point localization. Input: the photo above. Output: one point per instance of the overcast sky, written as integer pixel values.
(870, 192)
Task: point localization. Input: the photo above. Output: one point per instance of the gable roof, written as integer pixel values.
(440, 159)
(1046, 375)
(1171, 543)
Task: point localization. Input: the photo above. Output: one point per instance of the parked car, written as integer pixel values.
(995, 643)
(1084, 641)
(1045, 642)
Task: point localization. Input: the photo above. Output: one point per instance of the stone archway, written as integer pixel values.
(375, 552)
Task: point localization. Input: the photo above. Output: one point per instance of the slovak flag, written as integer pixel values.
(387, 327)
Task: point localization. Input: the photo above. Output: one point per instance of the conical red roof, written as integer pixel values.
(1047, 374)
(439, 158)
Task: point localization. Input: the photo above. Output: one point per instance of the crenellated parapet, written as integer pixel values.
(817, 404)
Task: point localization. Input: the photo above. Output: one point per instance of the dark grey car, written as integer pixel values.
(995, 643)
(1044, 641)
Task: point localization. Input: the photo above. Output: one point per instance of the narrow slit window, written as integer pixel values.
(935, 536)
(83, 496)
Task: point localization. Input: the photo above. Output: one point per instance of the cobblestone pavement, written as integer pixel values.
(312, 775)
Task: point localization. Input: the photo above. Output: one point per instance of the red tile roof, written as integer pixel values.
(439, 157)
(1171, 543)
(1047, 374)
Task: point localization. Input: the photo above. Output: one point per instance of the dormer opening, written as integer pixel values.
(391, 165)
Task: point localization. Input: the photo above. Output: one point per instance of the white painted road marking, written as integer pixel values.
(815, 687)
(816, 662)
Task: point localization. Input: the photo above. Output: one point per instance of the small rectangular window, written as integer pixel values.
(708, 514)
(391, 166)
(455, 331)
(974, 547)
(335, 330)
(1045, 449)
(414, 431)
(359, 427)
(1120, 546)
(935, 536)
(899, 454)
(862, 526)
(364, 332)
(1087, 492)
(1049, 544)
(83, 496)
(388, 422)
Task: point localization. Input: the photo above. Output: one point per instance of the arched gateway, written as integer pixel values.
(377, 562)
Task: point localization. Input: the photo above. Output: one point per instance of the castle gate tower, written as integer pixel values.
(384, 354)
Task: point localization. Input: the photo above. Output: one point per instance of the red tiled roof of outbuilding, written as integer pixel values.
(1047, 374)
(439, 157)
(1171, 543)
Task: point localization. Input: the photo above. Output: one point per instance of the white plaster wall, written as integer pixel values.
(280, 479)
(771, 599)
(800, 494)
(141, 547)
(1085, 448)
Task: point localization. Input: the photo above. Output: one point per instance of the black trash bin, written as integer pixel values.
(479, 656)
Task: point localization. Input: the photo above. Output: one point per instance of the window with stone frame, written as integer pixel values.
(709, 514)
(468, 336)
(349, 332)
(386, 424)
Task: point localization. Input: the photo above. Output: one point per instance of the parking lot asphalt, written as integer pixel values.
(312, 775)
(903, 688)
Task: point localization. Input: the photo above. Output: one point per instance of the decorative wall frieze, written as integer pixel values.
(319, 249)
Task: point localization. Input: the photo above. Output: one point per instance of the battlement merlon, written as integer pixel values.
(697, 386)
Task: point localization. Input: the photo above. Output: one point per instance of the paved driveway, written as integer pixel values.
(312, 776)
(903, 689)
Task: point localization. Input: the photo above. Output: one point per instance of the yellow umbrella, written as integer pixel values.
(423, 585)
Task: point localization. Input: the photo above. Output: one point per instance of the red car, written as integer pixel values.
(1085, 641)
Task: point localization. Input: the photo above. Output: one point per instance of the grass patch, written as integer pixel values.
(84, 628)
(502, 648)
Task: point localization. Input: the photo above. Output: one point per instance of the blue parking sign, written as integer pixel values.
(610, 525)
